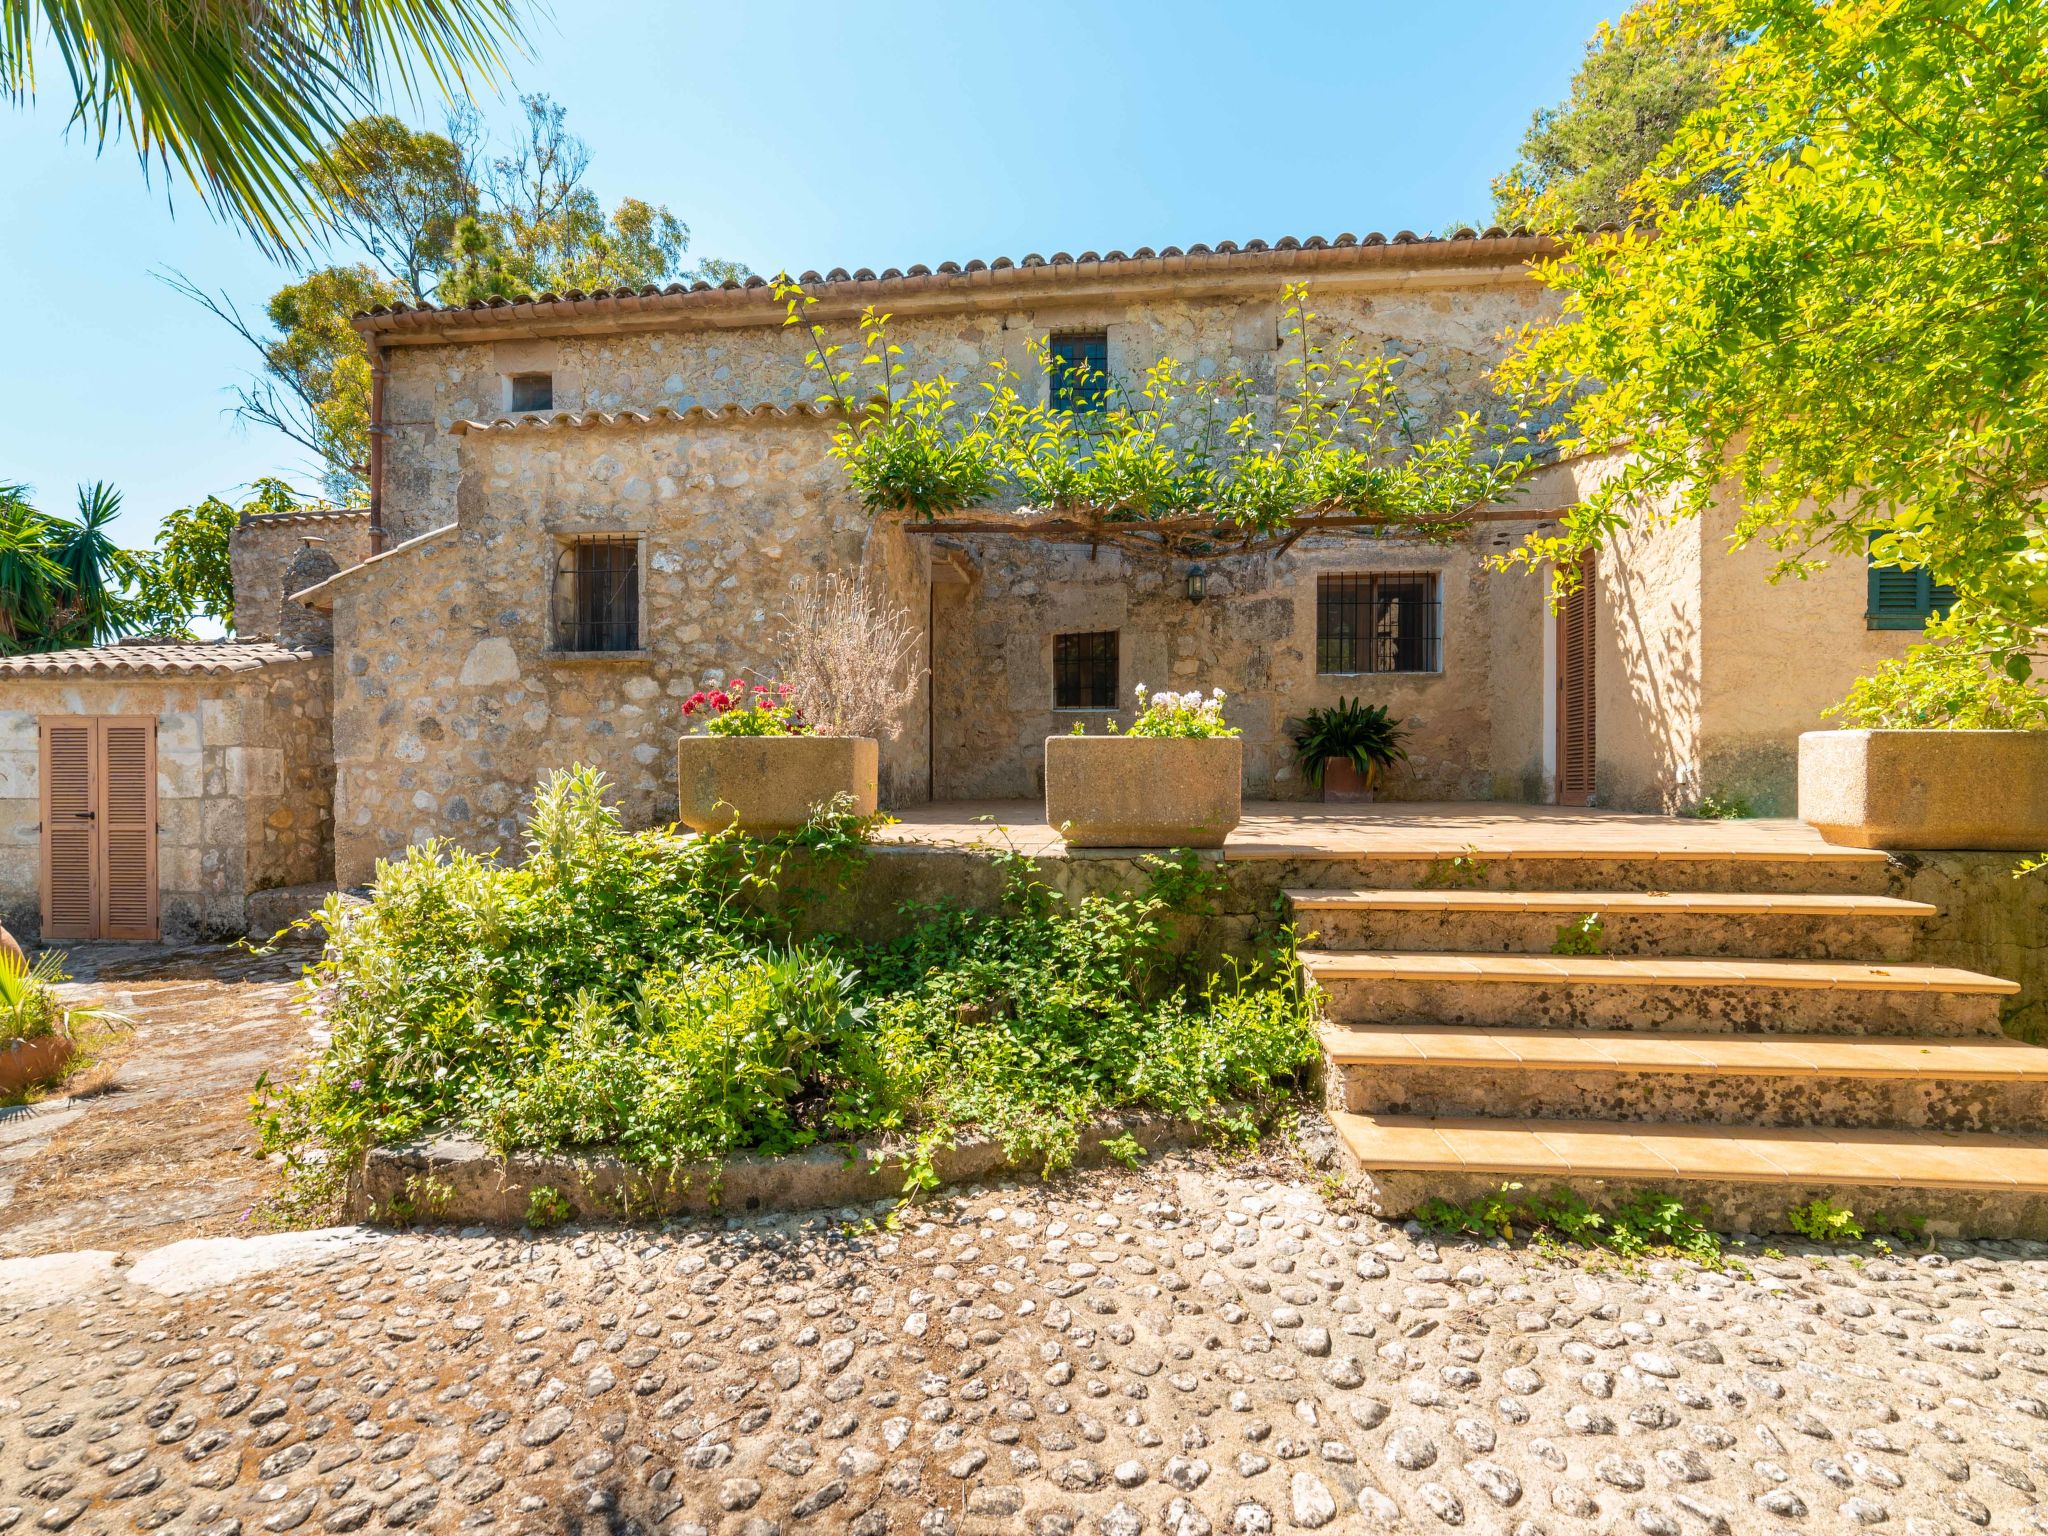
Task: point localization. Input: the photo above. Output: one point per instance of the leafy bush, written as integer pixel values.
(1948, 683)
(645, 992)
(1361, 734)
(1718, 806)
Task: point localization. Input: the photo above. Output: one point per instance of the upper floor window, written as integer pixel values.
(532, 392)
(1079, 379)
(1084, 670)
(1378, 623)
(1905, 599)
(597, 593)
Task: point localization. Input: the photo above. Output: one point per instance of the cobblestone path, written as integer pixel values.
(1180, 1351)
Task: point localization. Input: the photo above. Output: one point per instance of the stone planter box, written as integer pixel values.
(771, 784)
(1926, 789)
(1142, 791)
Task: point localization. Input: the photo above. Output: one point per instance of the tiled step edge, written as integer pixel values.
(1651, 1153)
(1820, 1056)
(1643, 903)
(1680, 971)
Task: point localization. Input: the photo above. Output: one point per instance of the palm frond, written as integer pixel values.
(239, 95)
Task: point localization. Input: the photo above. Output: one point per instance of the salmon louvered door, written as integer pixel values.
(127, 823)
(70, 829)
(99, 828)
(1575, 734)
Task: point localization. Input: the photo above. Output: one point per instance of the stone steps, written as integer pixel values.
(1758, 925)
(1688, 993)
(1940, 1083)
(1978, 1184)
(1749, 1036)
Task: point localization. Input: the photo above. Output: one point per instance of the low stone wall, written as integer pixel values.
(455, 1178)
(1988, 920)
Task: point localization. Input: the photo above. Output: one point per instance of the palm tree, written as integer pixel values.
(31, 583)
(97, 573)
(239, 95)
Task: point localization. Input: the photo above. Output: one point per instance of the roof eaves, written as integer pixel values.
(696, 415)
(320, 595)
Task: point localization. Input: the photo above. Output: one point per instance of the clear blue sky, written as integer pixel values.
(878, 135)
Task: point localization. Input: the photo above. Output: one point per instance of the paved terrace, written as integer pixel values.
(1405, 830)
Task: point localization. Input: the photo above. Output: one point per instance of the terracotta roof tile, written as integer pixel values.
(694, 416)
(1291, 255)
(153, 658)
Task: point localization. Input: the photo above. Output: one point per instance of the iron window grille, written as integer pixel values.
(1079, 381)
(1084, 670)
(597, 594)
(1378, 623)
(533, 392)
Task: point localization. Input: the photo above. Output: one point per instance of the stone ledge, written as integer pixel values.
(478, 1185)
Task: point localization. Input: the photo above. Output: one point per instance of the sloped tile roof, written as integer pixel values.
(309, 515)
(153, 658)
(1290, 255)
(696, 415)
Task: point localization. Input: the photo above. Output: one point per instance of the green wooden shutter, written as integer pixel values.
(1905, 599)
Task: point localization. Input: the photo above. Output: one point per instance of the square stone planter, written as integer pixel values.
(1143, 791)
(771, 784)
(1926, 789)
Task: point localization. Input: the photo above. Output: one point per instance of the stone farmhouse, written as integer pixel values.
(585, 506)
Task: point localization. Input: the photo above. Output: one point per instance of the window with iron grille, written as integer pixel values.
(1905, 599)
(1080, 371)
(597, 594)
(1084, 670)
(533, 391)
(1378, 623)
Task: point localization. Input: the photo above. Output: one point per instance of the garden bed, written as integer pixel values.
(639, 1003)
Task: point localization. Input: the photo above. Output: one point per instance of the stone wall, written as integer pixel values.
(1253, 634)
(452, 700)
(244, 787)
(1446, 327)
(261, 549)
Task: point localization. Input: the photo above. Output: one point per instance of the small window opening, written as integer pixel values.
(1084, 670)
(533, 392)
(1377, 623)
(1079, 381)
(597, 594)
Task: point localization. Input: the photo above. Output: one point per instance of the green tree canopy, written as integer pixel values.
(1643, 76)
(237, 97)
(1854, 335)
(438, 218)
(188, 575)
(63, 580)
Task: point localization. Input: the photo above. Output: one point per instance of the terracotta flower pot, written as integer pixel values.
(1926, 789)
(771, 784)
(40, 1060)
(1343, 784)
(1144, 791)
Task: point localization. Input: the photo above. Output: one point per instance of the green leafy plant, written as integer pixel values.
(1124, 1149)
(1461, 872)
(1186, 715)
(1950, 683)
(1175, 462)
(1822, 1220)
(647, 993)
(546, 1207)
(1650, 1223)
(1364, 735)
(1714, 806)
(1583, 935)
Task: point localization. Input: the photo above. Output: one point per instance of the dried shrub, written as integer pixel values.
(846, 656)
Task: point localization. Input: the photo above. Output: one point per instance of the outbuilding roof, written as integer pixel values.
(1290, 257)
(696, 415)
(153, 658)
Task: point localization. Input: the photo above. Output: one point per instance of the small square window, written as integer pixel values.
(597, 594)
(533, 392)
(1084, 670)
(1079, 368)
(1377, 623)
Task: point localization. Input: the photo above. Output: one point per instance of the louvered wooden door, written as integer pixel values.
(99, 827)
(1575, 723)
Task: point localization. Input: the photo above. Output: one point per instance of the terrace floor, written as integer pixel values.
(1403, 829)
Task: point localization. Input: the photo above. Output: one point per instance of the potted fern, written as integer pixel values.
(1347, 748)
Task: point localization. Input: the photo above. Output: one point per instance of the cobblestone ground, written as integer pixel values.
(1183, 1350)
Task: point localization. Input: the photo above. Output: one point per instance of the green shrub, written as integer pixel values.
(1352, 731)
(643, 992)
(1948, 683)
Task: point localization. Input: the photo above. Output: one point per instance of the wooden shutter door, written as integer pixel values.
(127, 822)
(70, 831)
(1575, 732)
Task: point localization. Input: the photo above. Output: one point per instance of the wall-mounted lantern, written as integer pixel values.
(1198, 583)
